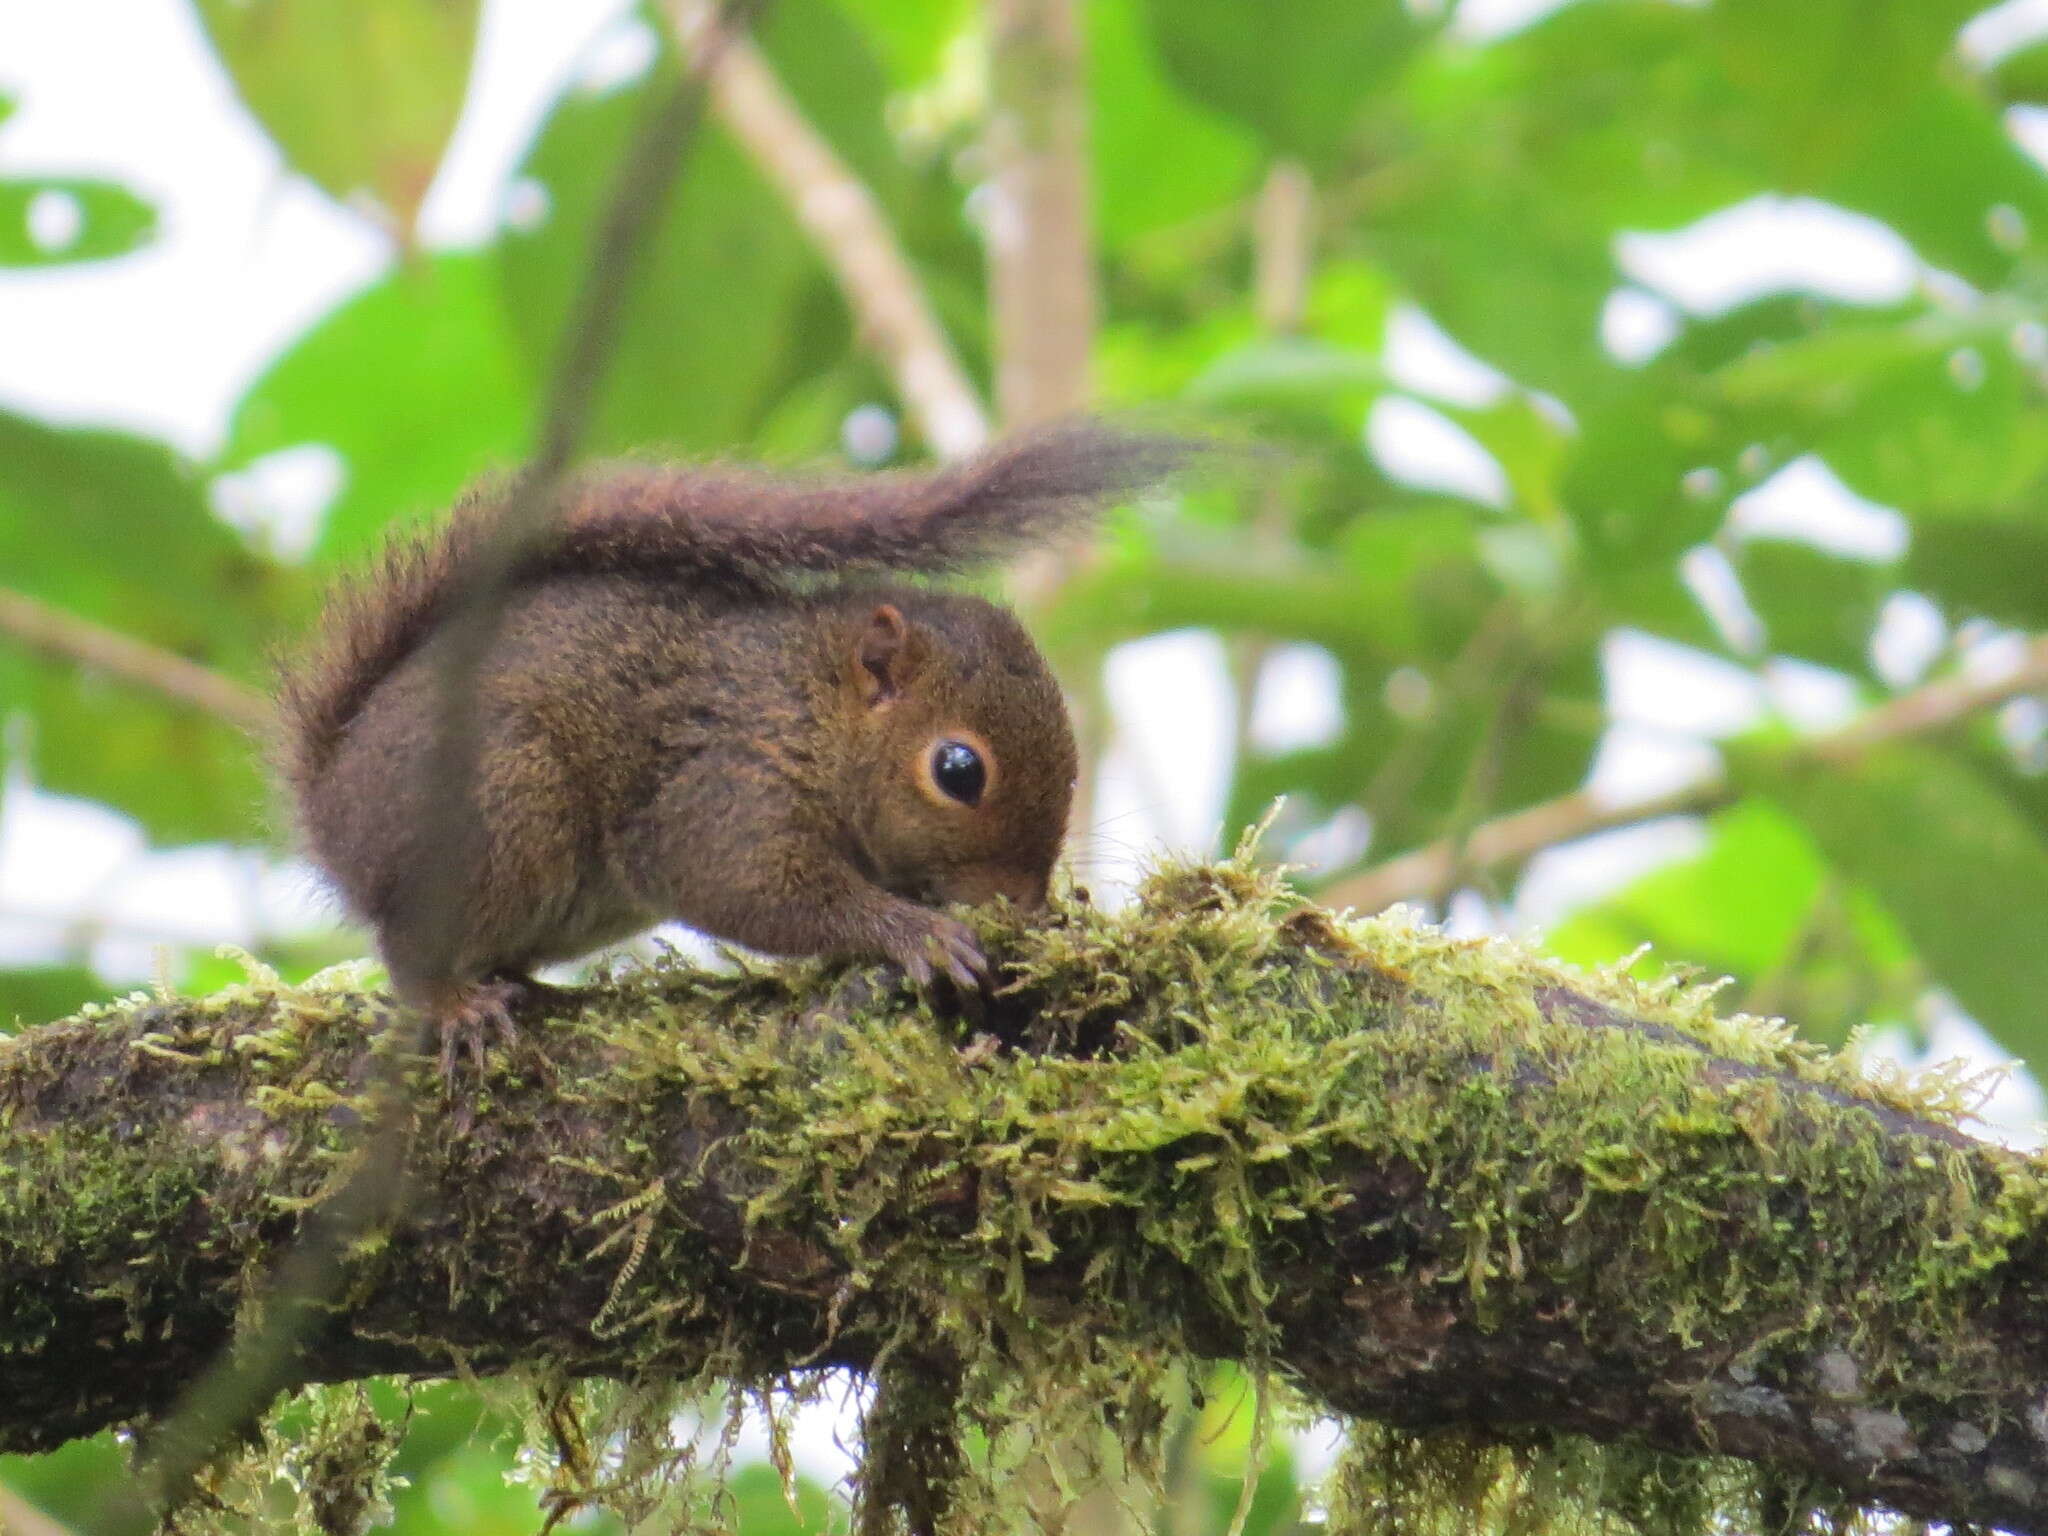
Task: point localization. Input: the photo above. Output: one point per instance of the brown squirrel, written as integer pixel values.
(703, 701)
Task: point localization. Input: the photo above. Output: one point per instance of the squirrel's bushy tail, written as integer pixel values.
(722, 524)
(757, 526)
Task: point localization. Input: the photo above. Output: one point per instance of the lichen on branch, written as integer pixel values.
(1567, 1245)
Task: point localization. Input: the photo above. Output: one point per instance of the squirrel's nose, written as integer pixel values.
(1027, 889)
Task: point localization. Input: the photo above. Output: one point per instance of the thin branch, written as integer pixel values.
(69, 638)
(1427, 873)
(1283, 247)
(1447, 1186)
(1039, 234)
(1041, 261)
(1037, 222)
(849, 230)
(18, 1517)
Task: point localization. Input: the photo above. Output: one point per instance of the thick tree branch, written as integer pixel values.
(1426, 873)
(135, 662)
(849, 230)
(1438, 1183)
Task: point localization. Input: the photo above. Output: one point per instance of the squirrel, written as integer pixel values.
(704, 700)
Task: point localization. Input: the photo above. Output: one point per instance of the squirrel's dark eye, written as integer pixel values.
(958, 770)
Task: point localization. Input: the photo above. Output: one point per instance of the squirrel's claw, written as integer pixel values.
(948, 945)
(480, 1014)
(959, 954)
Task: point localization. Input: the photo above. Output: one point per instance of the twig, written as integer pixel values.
(1282, 256)
(18, 1517)
(1424, 874)
(849, 230)
(70, 638)
(1283, 247)
(1041, 261)
(1041, 272)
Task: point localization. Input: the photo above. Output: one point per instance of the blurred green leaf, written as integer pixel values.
(1159, 160)
(1740, 907)
(414, 382)
(1960, 868)
(1420, 573)
(1656, 465)
(37, 995)
(1814, 605)
(1913, 408)
(1148, 359)
(1948, 176)
(1149, 593)
(50, 220)
(731, 310)
(87, 221)
(2022, 75)
(1295, 74)
(2021, 779)
(1528, 442)
(1503, 174)
(1983, 569)
(1821, 78)
(70, 1483)
(1503, 719)
(1293, 378)
(115, 530)
(828, 65)
(911, 34)
(709, 320)
(360, 95)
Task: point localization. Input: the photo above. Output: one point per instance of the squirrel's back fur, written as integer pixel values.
(716, 526)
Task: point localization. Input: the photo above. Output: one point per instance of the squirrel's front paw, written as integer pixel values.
(942, 944)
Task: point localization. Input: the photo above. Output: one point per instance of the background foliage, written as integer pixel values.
(1493, 181)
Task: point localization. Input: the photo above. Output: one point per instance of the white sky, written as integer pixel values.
(166, 340)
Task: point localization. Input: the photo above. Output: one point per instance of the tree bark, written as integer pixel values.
(1437, 1183)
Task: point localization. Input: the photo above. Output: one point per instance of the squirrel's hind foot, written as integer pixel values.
(475, 1017)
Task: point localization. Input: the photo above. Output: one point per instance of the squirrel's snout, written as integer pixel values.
(1030, 892)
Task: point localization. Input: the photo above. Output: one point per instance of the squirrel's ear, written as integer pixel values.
(884, 654)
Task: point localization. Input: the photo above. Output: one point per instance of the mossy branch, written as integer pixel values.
(1438, 1184)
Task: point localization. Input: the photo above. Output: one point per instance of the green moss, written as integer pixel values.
(320, 1466)
(1455, 1484)
(1200, 1078)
